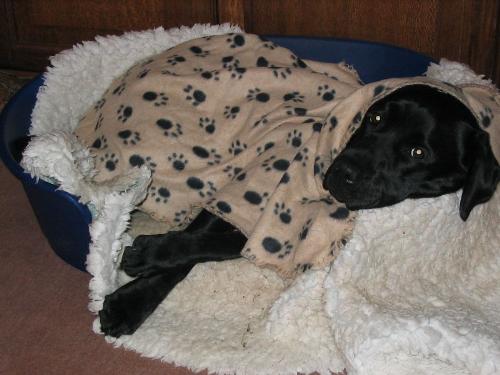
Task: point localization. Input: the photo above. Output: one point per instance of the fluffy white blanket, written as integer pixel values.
(416, 290)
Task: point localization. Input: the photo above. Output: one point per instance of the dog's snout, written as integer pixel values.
(345, 172)
(341, 175)
(348, 174)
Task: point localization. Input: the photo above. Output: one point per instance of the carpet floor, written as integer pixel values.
(45, 327)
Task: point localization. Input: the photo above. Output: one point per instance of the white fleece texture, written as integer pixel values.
(416, 290)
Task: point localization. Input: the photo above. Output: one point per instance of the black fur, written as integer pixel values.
(377, 169)
(380, 166)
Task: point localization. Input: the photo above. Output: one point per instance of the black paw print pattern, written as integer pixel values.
(238, 72)
(143, 73)
(168, 73)
(212, 156)
(248, 254)
(340, 213)
(333, 153)
(335, 246)
(280, 165)
(175, 59)
(257, 199)
(298, 62)
(110, 161)
(258, 96)
(169, 128)
(198, 51)
(99, 104)
(281, 72)
(234, 173)
(196, 97)
(285, 179)
(303, 267)
(264, 148)
(357, 119)
(267, 43)
(99, 121)
(305, 230)
(159, 99)
(233, 65)
(274, 246)
(317, 126)
(124, 112)
(302, 156)
(178, 161)
(237, 147)
(223, 207)
(236, 40)
(284, 213)
(180, 216)
(326, 93)
(296, 111)
(231, 112)
(294, 138)
(293, 96)
(119, 89)
(261, 121)
(230, 63)
(486, 117)
(138, 161)
(208, 75)
(319, 166)
(204, 188)
(159, 194)
(278, 72)
(207, 124)
(332, 124)
(100, 143)
(379, 90)
(129, 137)
(306, 200)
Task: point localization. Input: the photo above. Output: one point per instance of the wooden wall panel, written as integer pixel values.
(461, 30)
(40, 28)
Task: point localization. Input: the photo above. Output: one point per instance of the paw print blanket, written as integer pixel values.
(238, 126)
(245, 129)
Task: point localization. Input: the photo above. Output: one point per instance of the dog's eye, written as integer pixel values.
(375, 118)
(417, 153)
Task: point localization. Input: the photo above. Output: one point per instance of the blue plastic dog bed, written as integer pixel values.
(64, 221)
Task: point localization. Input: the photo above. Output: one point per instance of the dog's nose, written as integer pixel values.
(348, 174)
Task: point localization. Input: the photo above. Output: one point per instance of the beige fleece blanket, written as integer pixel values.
(246, 129)
(233, 124)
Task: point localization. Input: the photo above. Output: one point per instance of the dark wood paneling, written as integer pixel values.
(231, 11)
(40, 28)
(461, 30)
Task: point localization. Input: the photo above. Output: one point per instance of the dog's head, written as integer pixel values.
(416, 142)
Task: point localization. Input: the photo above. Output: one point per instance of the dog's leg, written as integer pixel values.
(208, 238)
(129, 306)
(162, 261)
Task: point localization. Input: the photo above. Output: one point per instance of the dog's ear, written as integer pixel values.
(482, 177)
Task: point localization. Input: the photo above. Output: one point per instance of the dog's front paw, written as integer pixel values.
(118, 317)
(134, 261)
(149, 254)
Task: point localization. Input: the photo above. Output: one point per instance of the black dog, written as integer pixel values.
(416, 142)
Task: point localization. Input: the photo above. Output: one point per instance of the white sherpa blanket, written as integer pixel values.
(418, 294)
